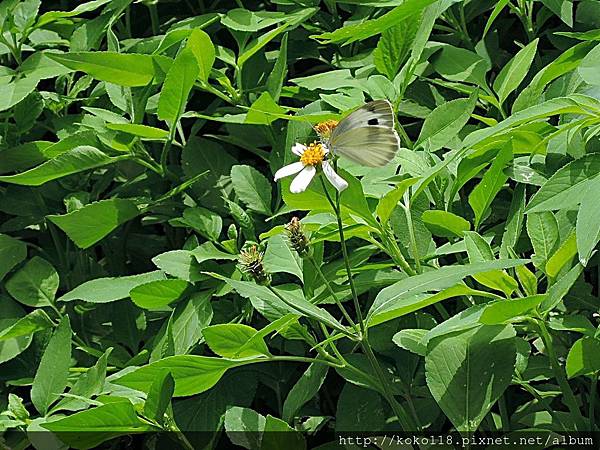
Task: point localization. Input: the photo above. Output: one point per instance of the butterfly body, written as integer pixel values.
(367, 135)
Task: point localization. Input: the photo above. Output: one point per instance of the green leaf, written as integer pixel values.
(262, 40)
(12, 252)
(410, 339)
(279, 257)
(204, 51)
(583, 357)
(34, 321)
(444, 123)
(468, 371)
(95, 221)
(177, 87)
(394, 47)
(508, 310)
(562, 8)
(462, 65)
(141, 131)
(206, 222)
(514, 72)
(403, 295)
(229, 340)
(12, 93)
(158, 294)
(484, 193)
(104, 290)
(588, 225)
(252, 188)
(88, 429)
(562, 256)
(117, 68)
(74, 161)
(542, 229)
(514, 221)
(207, 251)
(359, 32)
(278, 435)
(192, 374)
(244, 427)
(305, 389)
(445, 224)
(159, 397)
(277, 76)
(589, 67)
(87, 385)
(389, 201)
(52, 373)
(567, 187)
(561, 288)
(480, 251)
(34, 284)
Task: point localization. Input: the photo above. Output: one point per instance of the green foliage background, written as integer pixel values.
(138, 142)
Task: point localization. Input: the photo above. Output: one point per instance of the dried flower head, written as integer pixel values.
(324, 129)
(250, 263)
(298, 239)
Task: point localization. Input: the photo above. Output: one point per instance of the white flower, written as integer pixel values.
(310, 157)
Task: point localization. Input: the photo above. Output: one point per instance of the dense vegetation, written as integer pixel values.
(153, 276)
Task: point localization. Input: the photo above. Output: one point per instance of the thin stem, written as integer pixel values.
(413, 240)
(568, 395)
(592, 405)
(311, 258)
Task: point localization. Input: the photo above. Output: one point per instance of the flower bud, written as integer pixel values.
(297, 238)
(250, 263)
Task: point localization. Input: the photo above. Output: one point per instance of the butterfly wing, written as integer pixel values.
(367, 135)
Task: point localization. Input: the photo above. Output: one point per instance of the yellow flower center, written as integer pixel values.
(313, 155)
(324, 129)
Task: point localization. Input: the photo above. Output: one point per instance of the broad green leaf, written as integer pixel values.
(514, 72)
(88, 429)
(93, 222)
(567, 187)
(588, 225)
(459, 64)
(244, 427)
(305, 389)
(192, 374)
(141, 131)
(359, 409)
(400, 296)
(484, 193)
(12, 252)
(389, 201)
(445, 122)
(52, 373)
(527, 279)
(87, 385)
(74, 161)
(117, 68)
(394, 47)
(359, 32)
(264, 111)
(207, 251)
(183, 264)
(158, 293)
(34, 321)
(104, 290)
(279, 257)
(559, 289)
(204, 221)
(562, 8)
(12, 93)
(445, 224)
(278, 434)
(542, 229)
(34, 284)
(204, 51)
(583, 358)
(159, 397)
(468, 371)
(260, 43)
(480, 251)
(562, 256)
(229, 339)
(514, 221)
(500, 5)
(410, 339)
(589, 67)
(507, 310)
(177, 87)
(252, 188)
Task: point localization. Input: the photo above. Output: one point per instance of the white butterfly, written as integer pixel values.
(367, 135)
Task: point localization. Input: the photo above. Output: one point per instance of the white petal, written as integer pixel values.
(325, 149)
(288, 170)
(338, 182)
(302, 180)
(298, 149)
